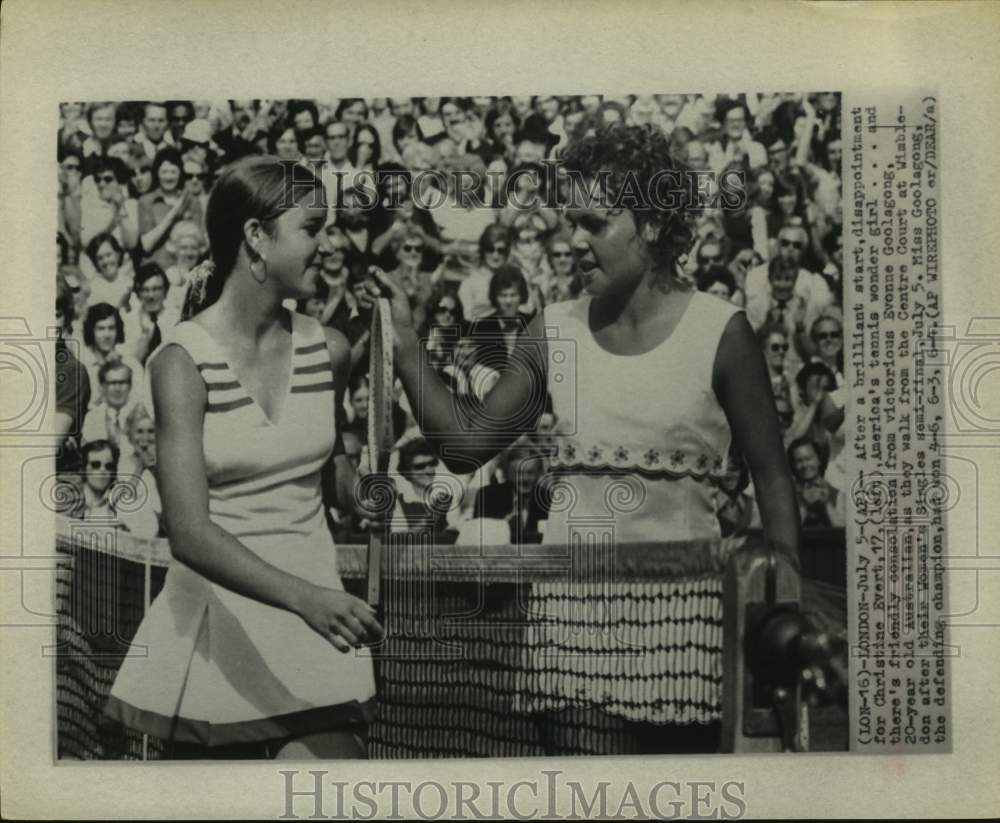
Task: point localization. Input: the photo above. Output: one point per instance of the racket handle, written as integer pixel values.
(375, 568)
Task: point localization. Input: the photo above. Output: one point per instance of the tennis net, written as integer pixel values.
(457, 672)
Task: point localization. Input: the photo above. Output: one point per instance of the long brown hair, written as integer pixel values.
(261, 187)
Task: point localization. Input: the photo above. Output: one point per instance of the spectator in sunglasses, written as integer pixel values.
(826, 338)
(99, 472)
(414, 275)
(402, 215)
(528, 254)
(444, 310)
(423, 504)
(443, 327)
(179, 114)
(494, 251)
(105, 205)
(564, 283)
(197, 182)
(784, 292)
(773, 340)
(710, 254)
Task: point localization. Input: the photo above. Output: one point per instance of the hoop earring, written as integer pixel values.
(253, 271)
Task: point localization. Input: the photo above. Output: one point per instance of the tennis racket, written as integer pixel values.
(380, 434)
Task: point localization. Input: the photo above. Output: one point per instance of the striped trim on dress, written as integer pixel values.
(311, 373)
(311, 369)
(225, 392)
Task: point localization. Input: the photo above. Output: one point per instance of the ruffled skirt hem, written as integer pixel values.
(352, 714)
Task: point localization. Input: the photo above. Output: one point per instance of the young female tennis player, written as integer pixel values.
(665, 377)
(249, 649)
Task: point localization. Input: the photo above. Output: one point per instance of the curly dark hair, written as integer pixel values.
(638, 158)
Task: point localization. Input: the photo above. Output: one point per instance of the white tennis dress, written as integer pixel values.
(640, 440)
(212, 667)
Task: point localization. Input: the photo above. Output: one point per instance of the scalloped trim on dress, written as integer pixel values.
(683, 453)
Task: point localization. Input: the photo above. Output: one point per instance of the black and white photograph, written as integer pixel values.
(548, 411)
(594, 341)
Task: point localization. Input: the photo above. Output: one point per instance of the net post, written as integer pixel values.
(758, 580)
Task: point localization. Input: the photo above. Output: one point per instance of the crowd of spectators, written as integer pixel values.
(478, 264)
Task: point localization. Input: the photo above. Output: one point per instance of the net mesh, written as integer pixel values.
(458, 674)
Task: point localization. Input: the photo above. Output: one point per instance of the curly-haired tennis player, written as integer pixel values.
(665, 378)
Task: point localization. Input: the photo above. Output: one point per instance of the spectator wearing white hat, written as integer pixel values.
(196, 141)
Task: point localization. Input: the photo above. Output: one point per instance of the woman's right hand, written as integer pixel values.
(346, 621)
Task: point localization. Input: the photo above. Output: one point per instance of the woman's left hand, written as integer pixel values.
(399, 301)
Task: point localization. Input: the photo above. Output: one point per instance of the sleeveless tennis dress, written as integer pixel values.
(207, 665)
(640, 440)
